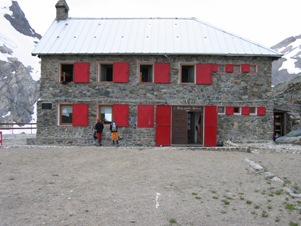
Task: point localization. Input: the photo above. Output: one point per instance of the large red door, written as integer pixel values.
(163, 113)
(210, 129)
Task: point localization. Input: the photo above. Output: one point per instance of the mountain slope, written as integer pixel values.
(288, 66)
(19, 71)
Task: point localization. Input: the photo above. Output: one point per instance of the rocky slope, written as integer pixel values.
(19, 71)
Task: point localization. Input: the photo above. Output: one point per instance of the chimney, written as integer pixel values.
(61, 10)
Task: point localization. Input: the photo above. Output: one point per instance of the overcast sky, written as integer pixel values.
(266, 22)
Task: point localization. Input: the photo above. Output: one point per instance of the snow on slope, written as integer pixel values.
(291, 53)
(20, 44)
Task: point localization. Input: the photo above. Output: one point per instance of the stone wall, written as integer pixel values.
(227, 89)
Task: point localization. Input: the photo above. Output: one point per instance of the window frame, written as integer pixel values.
(255, 69)
(191, 66)
(140, 75)
(235, 70)
(100, 71)
(62, 76)
(99, 106)
(237, 110)
(221, 68)
(223, 112)
(60, 112)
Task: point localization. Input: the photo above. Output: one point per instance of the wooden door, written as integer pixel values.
(179, 126)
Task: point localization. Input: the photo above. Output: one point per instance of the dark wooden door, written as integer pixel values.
(179, 126)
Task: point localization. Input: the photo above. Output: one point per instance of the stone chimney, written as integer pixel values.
(61, 10)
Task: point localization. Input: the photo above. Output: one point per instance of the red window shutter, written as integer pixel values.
(214, 67)
(121, 114)
(163, 117)
(245, 68)
(229, 110)
(229, 68)
(81, 72)
(261, 111)
(245, 110)
(80, 114)
(162, 73)
(204, 74)
(210, 129)
(145, 116)
(121, 72)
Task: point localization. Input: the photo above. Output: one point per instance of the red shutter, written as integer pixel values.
(229, 110)
(121, 114)
(229, 68)
(121, 72)
(245, 68)
(261, 111)
(214, 67)
(210, 129)
(81, 72)
(204, 74)
(80, 114)
(245, 110)
(145, 116)
(163, 117)
(162, 73)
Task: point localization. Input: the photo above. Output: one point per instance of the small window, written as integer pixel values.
(65, 112)
(253, 111)
(105, 114)
(66, 73)
(106, 73)
(236, 68)
(253, 68)
(146, 73)
(221, 68)
(221, 110)
(187, 74)
(237, 110)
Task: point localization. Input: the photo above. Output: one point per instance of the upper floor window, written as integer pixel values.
(106, 72)
(221, 110)
(236, 68)
(74, 72)
(237, 110)
(221, 68)
(253, 111)
(253, 68)
(187, 74)
(146, 73)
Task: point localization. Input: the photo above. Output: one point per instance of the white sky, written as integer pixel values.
(266, 22)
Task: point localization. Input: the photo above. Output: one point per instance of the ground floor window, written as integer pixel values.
(105, 113)
(65, 112)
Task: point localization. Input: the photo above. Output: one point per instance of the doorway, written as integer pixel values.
(187, 125)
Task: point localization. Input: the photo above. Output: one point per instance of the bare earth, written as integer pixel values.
(147, 186)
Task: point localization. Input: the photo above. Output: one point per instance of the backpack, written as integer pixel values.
(113, 126)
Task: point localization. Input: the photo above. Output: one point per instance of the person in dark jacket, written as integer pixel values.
(114, 132)
(99, 128)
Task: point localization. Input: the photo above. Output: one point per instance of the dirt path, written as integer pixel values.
(141, 186)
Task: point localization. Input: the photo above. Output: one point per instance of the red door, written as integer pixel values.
(163, 125)
(210, 138)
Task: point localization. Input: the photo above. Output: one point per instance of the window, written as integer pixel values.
(66, 73)
(221, 110)
(105, 113)
(66, 111)
(253, 111)
(221, 68)
(237, 110)
(253, 69)
(74, 72)
(106, 72)
(146, 73)
(187, 74)
(236, 68)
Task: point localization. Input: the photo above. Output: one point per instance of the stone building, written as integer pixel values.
(165, 81)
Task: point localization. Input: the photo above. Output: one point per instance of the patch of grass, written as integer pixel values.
(214, 192)
(290, 206)
(293, 224)
(277, 219)
(172, 221)
(270, 207)
(197, 197)
(194, 193)
(215, 197)
(264, 214)
(226, 202)
(249, 202)
(279, 192)
(242, 198)
(257, 206)
(227, 197)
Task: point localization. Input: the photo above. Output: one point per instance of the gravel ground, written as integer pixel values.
(148, 186)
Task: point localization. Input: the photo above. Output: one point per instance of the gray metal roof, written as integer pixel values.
(181, 36)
